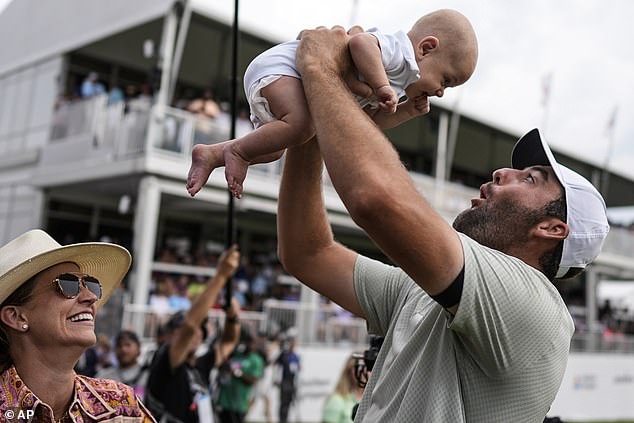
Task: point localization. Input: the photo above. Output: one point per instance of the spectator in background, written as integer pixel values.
(347, 393)
(206, 109)
(289, 363)
(205, 106)
(128, 370)
(176, 390)
(237, 376)
(166, 299)
(268, 350)
(115, 95)
(91, 86)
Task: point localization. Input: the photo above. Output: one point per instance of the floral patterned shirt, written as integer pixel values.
(94, 401)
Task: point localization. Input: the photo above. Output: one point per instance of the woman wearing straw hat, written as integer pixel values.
(49, 295)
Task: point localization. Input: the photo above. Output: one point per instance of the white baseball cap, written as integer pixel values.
(586, 216)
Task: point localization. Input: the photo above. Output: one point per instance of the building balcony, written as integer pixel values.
(100, 140)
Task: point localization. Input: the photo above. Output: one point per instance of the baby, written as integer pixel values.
(440, 51)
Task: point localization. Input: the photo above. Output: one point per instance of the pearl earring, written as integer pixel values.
(25, 326)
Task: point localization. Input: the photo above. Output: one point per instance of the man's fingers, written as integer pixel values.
(355, 30)
(305, 31)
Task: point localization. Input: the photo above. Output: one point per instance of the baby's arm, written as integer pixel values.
(366, 55)
(409, 109)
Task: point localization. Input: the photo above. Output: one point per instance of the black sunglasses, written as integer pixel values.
(69, 284)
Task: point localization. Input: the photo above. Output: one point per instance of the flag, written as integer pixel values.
(609, 127)
(546, 83)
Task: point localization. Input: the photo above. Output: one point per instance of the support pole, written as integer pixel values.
(145, 224)
(231, 234)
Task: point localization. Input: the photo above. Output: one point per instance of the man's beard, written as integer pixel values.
(503, 226)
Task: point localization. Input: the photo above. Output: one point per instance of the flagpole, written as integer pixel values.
(605, 174)
(546, 85)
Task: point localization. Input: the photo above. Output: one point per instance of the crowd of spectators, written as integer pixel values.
(258, 278)
(122, 359)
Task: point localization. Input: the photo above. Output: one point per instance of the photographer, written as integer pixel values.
(339, 405)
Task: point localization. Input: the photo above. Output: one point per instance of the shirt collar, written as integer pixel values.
(17, 395)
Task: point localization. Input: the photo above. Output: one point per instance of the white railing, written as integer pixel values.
(313, 324)
(326, 325)
(146, 320)
(77, 117)
(121, 131)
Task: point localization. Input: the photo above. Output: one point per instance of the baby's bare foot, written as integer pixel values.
(235, 169)
(205, 158)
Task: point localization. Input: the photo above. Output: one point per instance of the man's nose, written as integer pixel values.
(500, 176)
(440, 92)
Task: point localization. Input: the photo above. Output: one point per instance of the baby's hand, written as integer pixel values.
(416, 106)
(387, 98)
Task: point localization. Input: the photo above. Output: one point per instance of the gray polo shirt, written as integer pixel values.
(500, 359)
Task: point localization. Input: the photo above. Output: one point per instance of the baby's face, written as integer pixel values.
(438, 73)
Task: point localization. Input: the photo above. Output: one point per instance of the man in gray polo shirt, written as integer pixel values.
(474, 329)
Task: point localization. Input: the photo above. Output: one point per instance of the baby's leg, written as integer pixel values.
(294, 126)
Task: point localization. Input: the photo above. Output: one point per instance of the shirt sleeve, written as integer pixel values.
(254, 366)
(509, 313)
(391, 54)
(332, 409)
(380, 288)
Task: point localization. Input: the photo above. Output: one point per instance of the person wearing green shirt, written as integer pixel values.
(236, 379)
(339, 405)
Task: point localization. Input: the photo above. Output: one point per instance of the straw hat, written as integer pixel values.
(35, 251)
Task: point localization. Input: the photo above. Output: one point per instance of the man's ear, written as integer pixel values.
(552, 228)
(426, 46)
(12, 317)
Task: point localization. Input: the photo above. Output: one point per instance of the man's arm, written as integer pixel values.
(367, 173)
(366, 55)
(306, 246)
(179, 347)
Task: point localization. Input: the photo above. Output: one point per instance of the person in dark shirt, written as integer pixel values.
(176, 391)
(289, 362)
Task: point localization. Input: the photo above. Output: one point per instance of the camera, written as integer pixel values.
(364, 363)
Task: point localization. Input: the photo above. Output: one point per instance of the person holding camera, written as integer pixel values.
(340, 404)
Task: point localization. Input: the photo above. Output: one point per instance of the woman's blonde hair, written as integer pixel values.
(345, 384)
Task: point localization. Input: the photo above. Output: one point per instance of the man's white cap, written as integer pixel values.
(586, 217)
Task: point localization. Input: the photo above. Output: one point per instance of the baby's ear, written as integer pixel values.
(426, 45)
